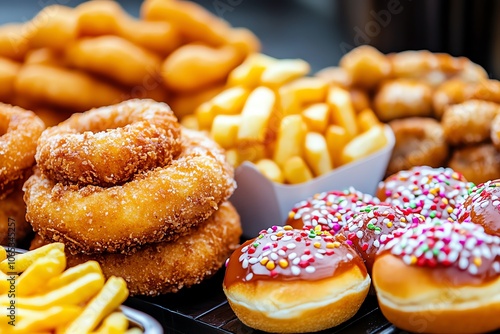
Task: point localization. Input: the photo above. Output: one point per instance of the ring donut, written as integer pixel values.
(157, 205)
(19, 132)
(109, 145)
(202, 253)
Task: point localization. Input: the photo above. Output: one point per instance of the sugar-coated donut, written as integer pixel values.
(167, 267)
(440, 277)
(331, 210)
(159, 205)
(482, 207)
(290, 281)
(477, 163)
(431, 192)
(19, 132)
(370, 228)
(109, 145)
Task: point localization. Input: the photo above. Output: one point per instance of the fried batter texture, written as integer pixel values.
(158, 205)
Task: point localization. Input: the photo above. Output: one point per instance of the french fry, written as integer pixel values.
(364, 144)
(3, 253)
(40, 271)
(4, 283)
(112, 295)
(296, 171)
(316, 117)
(134, 330)
(289, 102)
(233, 157)
(186, 104)
(270, 169)
(23, 261)
(290, 141)
(116, 322)
(249, 72)
(283, 71)
(76, 292)
(205, 116)
(336, 138)
(190, 122)
(30, 321)
(225, 130)
(308, 89)
(230, 101)
(316, 154)
(256, 114)
(342, 110)
(366, 119)
(72, 274)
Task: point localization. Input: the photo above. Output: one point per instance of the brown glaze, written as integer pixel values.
(453, 253)
(284, 253)
(483, 207)
(372, 226)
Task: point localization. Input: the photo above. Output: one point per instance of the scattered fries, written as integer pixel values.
(293, 127)
(41, 296)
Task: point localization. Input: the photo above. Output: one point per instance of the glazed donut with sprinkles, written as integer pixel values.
(291, 281)
(431, 192)
(483, 207)
(445, 272)
(330, 210)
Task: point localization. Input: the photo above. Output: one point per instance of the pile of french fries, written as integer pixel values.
(37, 295)
(292, 126)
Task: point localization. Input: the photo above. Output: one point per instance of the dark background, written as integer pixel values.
(321, 31)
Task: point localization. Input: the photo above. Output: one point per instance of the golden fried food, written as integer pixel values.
(54, 27)
(171, 266)
(19, 132)
(107, 146)
(419, 141)
(469, 122)
(8, 72)
(98, 18)
(50, 299)
(495, 132)
(114, 58)
(449, 93)
(181, 69)
(157, 205)
(478, 163)
(65, 88)
(366, 66)
(14, 41)
(403, 98)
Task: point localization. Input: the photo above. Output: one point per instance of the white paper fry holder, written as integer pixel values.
(262, 203)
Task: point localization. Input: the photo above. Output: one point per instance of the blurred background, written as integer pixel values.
(321, 31)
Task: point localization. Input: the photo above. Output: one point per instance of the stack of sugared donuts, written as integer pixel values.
(127, 186)
(434, 268)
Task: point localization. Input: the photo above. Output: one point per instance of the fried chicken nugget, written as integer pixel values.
(53, 27)
(115, 58)
(8, 72)
(13, 41)
(65, 88)
(97, 18)
(403, 98)
(469, 122)
(419, 142)
(478, 163)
